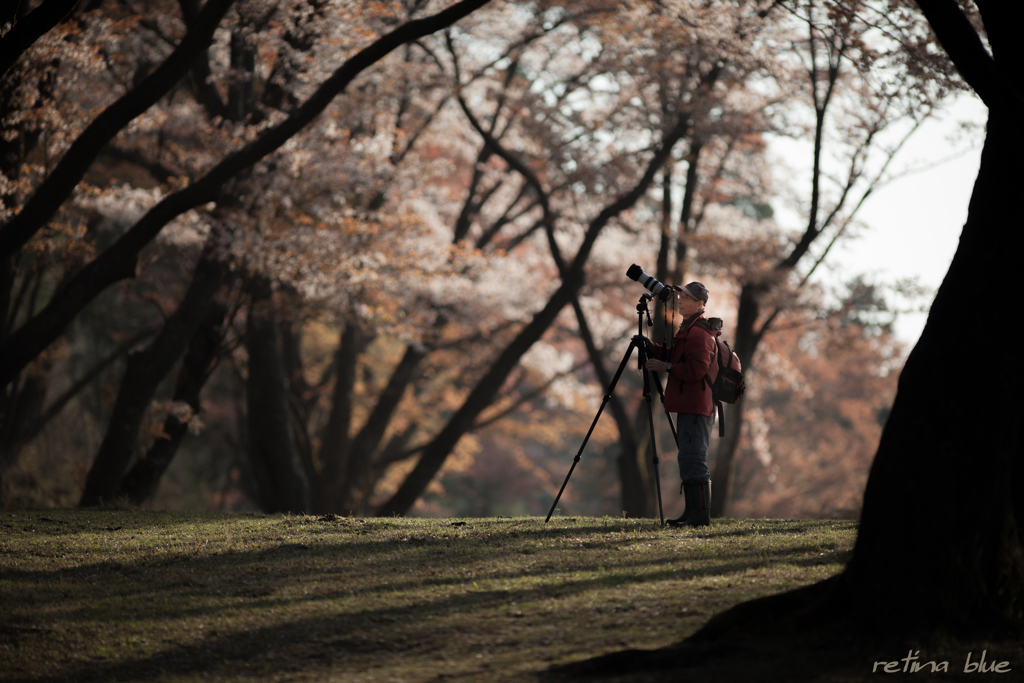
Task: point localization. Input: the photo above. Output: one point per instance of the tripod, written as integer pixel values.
(639, 342)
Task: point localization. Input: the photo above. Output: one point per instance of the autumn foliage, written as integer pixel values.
(369, 257)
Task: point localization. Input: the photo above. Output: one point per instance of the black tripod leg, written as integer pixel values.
(661, 393)
(604, 402)
(654, 457)
(650, 424)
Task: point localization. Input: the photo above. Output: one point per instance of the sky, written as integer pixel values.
(914, 222)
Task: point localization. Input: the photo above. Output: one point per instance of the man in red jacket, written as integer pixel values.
(688, 394)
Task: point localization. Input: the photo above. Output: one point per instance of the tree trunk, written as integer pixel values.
(947, 494)
(745, 345)
(725, 457)
(19, 412)
(143, 478)
(7, 273)
(686, 212)
(241, 96)
(281, 482)
(334, 449)
(665, 240)
(359, 479)
(631, 479)
(143, 374)
(301, 402)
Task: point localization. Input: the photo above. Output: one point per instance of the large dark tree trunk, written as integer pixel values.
(745, 345)
(143, 374)
(336, 442)
(281, 481)
(946, 490)
(941, 542)
(143, 478)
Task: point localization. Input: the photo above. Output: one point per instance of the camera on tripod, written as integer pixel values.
(655, 287)
(639, 343)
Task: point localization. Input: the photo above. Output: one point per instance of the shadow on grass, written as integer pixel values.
(249, 579)
(175, 587)
(72, 522)
(773, 654)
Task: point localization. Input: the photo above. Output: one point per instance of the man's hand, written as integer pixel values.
(656, 365)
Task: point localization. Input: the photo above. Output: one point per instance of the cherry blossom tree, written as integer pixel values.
(864, 99)
(80, 286)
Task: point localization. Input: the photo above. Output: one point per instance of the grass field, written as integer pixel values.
(130, 595)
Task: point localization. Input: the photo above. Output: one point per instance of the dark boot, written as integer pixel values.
(687, 510)
(698, 496)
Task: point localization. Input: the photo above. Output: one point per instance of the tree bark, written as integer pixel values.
(143, 478)
(143, 374)
(366, 443)
(200, 80)
(282, 483)
(725, 457)
(301, 401)
(686, 212)
(18, 411)
(665, 239)
(943, 494)
(241, 96)
(745, 345)
(334, 449)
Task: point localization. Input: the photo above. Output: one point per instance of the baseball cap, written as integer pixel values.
(697, 290)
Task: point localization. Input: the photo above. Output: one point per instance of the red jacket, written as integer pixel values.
(692, 350)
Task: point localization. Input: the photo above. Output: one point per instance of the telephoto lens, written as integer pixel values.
(637, 274)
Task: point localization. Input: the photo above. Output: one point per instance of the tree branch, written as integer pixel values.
(77, 160)
(436, 452)
(119, 260)
(31, 28)
(95, 371)
(974, 63)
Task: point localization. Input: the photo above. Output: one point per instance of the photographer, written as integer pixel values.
(687, 393)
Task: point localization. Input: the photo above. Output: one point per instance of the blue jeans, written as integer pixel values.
(693, 435)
